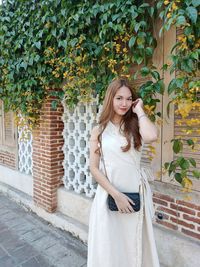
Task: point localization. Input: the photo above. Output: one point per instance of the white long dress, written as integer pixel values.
(118, 239)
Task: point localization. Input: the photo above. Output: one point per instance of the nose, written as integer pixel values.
(124, 104)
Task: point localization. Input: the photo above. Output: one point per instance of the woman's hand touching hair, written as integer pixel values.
(137, 105)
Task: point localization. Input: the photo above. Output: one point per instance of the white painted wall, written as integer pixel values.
(74, 205)
(16, 179)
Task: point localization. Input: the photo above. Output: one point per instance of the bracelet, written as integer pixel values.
(143, 115)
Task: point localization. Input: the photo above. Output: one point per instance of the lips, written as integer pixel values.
(123, 109)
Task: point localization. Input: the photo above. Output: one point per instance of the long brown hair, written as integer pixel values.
(129, 120)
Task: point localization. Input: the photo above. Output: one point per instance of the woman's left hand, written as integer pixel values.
(137, 105)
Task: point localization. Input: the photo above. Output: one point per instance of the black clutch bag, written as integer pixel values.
(134, 196)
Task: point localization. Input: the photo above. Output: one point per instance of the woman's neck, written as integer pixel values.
(117, 120)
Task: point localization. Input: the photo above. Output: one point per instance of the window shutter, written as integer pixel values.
(9, 131)
(1, 122)
(180, 130)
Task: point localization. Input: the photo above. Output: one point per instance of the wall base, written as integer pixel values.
(174, 248)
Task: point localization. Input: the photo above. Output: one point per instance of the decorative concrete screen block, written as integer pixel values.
(77, 127)
(24, 151)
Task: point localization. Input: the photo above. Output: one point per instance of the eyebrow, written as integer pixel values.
(122, 96)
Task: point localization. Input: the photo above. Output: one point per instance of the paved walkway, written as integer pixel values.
(28, 241)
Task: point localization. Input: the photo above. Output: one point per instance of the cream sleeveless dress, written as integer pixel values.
(118, 239)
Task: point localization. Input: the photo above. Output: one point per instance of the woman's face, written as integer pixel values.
(122, 101)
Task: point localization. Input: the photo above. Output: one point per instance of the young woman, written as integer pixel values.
(122, 238)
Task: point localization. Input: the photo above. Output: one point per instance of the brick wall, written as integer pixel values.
(178, 215)
(8, 159)
(48, 157)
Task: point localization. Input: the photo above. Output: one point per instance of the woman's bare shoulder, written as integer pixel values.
(95, 133)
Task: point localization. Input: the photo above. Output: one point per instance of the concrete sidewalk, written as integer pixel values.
(28, 241)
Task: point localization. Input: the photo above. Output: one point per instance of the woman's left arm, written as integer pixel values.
(148, 130)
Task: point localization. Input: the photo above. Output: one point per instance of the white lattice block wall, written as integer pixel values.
(77, 128)
(25, 151)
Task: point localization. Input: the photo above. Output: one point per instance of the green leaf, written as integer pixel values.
(149, 51)
(139, 60)
(172, 168)
(195, 55)
(159, 5)
(62, 43)
(180, 82)
(151, 11)
(177, 146)
(54, 32)
(180, 21)
(190, 142)
(24, 65)
(177, 44)
(164, 67)
(162, 14)
(168, 108)
(137, 26)
(145, 71)
(159, 87)
(155, 75)
(196, 174)
(73, 42)
(192, 14)
(132, 41)
(192, 161)
(178, 177)
(54, 104)
(140, 40)
(135, 75)
(187, 31)
(38, 45)
(196, 3)
(184, 164)
(172, 86)
(30, 61)
(144, 5)
(37, 58)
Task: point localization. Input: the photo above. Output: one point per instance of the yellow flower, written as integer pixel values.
(149, 109)
(169, 15)
(107, 48)
(125, 50)
(126, 75)
(123, 68)
(118, 48)
(111, 63)
(191, 36)
(65, 74)
(166, 2)
(174, 6)
(187, 184)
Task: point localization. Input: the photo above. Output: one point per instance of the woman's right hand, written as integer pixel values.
(123, 203)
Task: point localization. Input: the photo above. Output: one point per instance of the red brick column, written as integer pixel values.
(48, 157)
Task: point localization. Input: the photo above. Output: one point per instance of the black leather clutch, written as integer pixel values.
(134, 196)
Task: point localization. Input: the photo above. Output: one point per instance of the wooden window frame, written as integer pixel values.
(7, 145)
